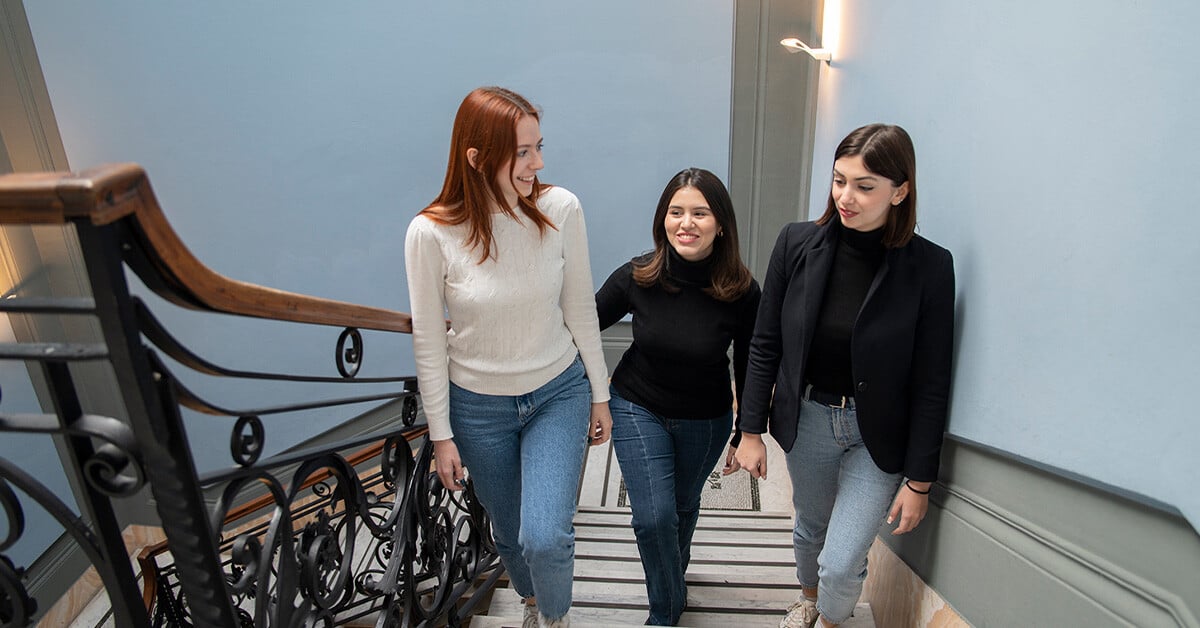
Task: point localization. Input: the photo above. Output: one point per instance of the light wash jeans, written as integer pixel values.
(525, 454)
(841, 499)
(665, 463)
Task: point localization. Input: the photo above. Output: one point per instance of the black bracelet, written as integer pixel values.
(909, 487)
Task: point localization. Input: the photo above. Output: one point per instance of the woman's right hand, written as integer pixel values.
(752, 455)
(449, 465)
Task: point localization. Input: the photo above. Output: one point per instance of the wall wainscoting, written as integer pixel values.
(1010, 542)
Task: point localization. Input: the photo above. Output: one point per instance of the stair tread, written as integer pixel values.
(508, 615)
(702, 536)
(742, 570)
(708, 521)
(716, 572)
(742, 573)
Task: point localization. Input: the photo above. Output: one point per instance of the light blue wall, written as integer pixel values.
(1056, 144)
(291, 142)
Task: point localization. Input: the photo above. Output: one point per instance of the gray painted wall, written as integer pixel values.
(290, 143)
(1055, 145)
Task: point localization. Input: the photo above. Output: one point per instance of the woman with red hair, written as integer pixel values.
(516, 387)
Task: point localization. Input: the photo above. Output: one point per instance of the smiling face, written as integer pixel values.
(862, 197)
(518, 176)
(690, 225)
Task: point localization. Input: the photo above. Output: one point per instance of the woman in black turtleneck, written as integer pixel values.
(849, 369)
(671, 401)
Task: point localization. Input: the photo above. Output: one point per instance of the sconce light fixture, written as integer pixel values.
(794, 45)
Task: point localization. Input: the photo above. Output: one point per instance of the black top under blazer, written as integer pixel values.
(900, 348)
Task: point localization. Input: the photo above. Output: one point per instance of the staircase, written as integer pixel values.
(742, 573)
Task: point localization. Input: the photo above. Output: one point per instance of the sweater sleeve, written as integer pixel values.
(426, 269)
(578, 302)
(612, 300)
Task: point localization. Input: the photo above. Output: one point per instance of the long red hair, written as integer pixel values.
(486, 121)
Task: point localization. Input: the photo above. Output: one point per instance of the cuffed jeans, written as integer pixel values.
(525, 454)
(665, 463)
(841, 499)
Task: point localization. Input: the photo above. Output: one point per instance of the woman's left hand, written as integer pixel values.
(600, 426)
(731, 461)
(910, 506)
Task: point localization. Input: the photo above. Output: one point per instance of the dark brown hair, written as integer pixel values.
(730, 277)
(887, 151)
(486, 121)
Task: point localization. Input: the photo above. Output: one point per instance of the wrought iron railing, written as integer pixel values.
(338, 554)
(355, 531)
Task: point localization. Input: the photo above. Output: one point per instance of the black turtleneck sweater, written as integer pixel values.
(854, 266)
(678, 364)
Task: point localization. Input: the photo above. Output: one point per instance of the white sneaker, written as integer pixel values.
(532, 619)
(530, 616)
(801, 614)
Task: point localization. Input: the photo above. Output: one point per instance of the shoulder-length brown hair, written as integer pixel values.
(730, 277)
(486, 121)
(887, 151)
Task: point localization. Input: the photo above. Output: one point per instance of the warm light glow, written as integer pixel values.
(6, 285)
(831, 26)
(6, 282)
(6, 333)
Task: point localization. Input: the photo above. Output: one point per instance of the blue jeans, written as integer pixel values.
(841, 499)
(665, 463)
(525, 456)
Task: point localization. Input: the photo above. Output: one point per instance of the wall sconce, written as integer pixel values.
(794, 45)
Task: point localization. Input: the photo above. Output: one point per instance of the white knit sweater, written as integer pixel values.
(517, 320)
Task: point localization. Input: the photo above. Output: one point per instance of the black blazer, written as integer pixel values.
(900, 348)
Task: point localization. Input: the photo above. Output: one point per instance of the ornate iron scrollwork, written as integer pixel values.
(16, 606)
(14, 515)
(408, 412)
(349, 359)
(391, 544)
(246, 448)
(113, 468)
(105, 471)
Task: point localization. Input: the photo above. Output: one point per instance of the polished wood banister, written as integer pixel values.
(109, 193)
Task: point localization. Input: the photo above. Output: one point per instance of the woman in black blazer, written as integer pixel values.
(849, 369)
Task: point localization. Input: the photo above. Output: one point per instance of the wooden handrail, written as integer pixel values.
(106, 194)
